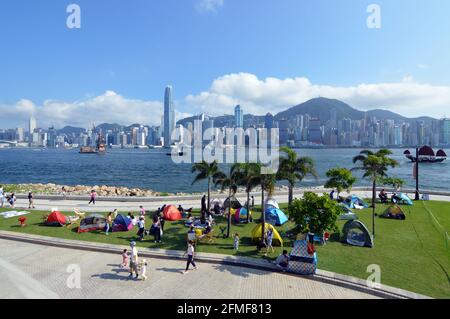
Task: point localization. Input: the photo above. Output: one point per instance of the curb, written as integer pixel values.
(327, 277)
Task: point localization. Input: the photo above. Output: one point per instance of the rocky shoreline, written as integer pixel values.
(103, 190)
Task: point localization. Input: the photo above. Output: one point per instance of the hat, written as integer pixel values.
(133, 243)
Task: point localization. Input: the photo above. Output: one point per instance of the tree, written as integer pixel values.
(390, 181)
(341, 179)
(267, 185)
(227, 182)
(374, 166)
(294, 169)
(314, 213)
(248, 175)
(205, 170)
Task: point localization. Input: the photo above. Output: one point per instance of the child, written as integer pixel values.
(124, 259)
(144, 269)
(142, 210)
(236, 241)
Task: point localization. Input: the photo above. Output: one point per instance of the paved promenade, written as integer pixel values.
(151, 204)
(35, 271)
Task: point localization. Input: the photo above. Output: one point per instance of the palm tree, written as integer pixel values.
(267, 184)
(248, 175)
(227, 182)
(374, 166)
(205, 171)
(294, 169)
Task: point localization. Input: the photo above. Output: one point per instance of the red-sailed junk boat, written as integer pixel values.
(427, 155)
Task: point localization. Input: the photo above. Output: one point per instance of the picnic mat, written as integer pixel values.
(13, 213)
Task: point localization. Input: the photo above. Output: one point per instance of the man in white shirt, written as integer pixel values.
(134, 259)
(282, 261)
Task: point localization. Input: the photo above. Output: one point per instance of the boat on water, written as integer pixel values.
(427, 155)
(100, 148)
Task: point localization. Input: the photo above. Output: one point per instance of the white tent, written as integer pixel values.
(271, 203)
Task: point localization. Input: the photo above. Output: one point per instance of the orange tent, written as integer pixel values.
(171, 213)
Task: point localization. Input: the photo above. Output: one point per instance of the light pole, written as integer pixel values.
(417, 174)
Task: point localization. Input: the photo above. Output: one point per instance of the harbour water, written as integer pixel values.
(153, 169)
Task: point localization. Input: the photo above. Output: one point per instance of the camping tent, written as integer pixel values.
(239, 214)
(404, 199)
(355, 202)
(271, 203)
(394, 212)
(235, 204)
(257, 234)
(357, 234)
(122, 223)
(171, 213)
(347, 213)
(91, 223)
(216, 201)
(56, 219)
(276, 217)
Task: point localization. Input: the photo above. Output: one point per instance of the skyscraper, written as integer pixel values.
(169, 116)
(444, 134)
(32, 125)
(238, 116)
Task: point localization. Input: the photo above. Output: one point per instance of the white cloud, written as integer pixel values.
(259, 96)
(109, 107)
(209, 5)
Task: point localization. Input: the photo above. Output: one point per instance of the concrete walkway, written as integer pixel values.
(127, 204)
(35, 271)
(323, 284)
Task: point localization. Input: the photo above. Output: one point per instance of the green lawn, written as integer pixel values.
(412, 254)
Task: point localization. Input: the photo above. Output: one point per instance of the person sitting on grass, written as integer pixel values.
(282, 261)
(383, 196)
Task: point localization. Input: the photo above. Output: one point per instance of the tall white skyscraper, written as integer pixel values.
(238, 116)
(32, 125)
(169, 116)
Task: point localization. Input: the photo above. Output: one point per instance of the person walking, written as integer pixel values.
(141, 231)
(156, 229)
(93, 197)
(142, 210)
(2, 196)
(30, 200)
(124, 259)
(190, 253)
(253, 202)
(12, 200)
(134, 258)
(109, 222)
(63, 193)
(236, 242)
(269, 239)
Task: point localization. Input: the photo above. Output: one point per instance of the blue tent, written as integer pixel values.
(353, 201)
(122, 223)
(275, 217)
(404, 199)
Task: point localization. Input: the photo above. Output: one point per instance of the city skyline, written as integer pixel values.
(297, 128)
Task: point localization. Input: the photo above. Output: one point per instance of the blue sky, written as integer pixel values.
(129, 50)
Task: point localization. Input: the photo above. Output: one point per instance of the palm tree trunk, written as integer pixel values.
(263, 218)
(229, 216)
(209, 193)
(291, 194)
(248, 207)
(373, 207)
